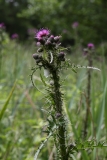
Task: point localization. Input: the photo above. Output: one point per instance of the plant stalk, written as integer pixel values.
(88, 96)
(59, 110)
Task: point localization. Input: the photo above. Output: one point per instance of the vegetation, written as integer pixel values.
(24, 109)
(58, 16)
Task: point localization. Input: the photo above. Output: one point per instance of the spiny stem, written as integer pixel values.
(58, 108)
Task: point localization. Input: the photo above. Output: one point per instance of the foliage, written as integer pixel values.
(20, 128)
(53, 61)
(58, 16)
(9, 16)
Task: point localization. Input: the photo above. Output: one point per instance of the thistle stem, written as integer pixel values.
(58, 109)
(88, 97)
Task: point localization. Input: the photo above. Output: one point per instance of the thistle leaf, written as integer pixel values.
(43, 143)
(79, 66)
(43, 80)
(74, 70)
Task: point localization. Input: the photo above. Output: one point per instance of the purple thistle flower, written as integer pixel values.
(75, 25)
(45, 39)
(2, 25)
(14, 36)
(42, 33)
(90, 45)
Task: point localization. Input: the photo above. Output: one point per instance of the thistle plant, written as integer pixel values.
(52, 59)
(15, 36)
(89, 51)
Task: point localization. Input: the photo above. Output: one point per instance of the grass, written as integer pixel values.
(22, 117)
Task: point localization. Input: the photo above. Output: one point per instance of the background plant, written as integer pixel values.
(24, 115)
(24, 112)
(25, 14)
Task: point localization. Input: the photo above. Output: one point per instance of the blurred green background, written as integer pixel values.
(21, 116)
(58, 16)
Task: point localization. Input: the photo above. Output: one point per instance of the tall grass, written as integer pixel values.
(20, 133)
(97, 128)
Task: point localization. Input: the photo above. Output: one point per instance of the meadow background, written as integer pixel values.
(22, 118)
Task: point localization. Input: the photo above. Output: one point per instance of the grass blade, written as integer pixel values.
(7, 101)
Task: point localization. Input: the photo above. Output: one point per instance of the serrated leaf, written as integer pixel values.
(43, 143)
(74, 70)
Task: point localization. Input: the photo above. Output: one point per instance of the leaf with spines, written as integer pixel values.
(43, 143)
(68, 64)
(88, 67)
(89, 145)
(74, 70)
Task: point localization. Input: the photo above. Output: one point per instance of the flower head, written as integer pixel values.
(75, 25)
(47, 41)
(2, 25)
(42, 33)
(90, 45)
(14, 36)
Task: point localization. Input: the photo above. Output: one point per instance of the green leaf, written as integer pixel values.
(74, 70)
(43, 143)
(106, 106)
(101, 113)
(43, 80)
(7, 102)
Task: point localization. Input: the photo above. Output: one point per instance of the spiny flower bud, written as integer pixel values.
(51, 38)
(35, 56)
(61, 56)
(41, 40)
(38, 43)
(57, 38)
(48, 42)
